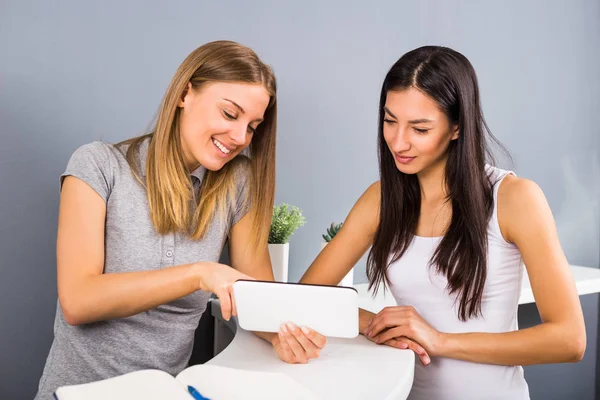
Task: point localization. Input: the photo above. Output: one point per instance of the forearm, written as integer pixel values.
(541, 344)
(110, 296)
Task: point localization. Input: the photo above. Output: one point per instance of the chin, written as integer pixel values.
(408, 169)
(213, 165)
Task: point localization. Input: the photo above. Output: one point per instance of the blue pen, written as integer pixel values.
(196, 394)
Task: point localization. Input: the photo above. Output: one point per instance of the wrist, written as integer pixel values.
(270, 337)
(200, 271)
(443, 344)
(273, 338)
(364, 319)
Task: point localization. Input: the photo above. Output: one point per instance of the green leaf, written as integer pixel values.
(332, 230)
(286, 219)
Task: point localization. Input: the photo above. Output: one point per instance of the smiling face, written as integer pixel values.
(218, 121)
(416, 131)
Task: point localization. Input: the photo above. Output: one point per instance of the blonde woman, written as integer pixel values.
(142, 223)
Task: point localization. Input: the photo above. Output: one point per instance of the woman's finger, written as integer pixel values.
(380, 324)
(409, 344)
(384, 315)
(311, 350)
(416, 347)
(225, 301)
(319, 340)
(232, 297)
(284, 350)
(397, 344)
(299, 353)
(390, 334)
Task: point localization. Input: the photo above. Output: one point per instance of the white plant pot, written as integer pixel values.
(280, 255)
(348, 280)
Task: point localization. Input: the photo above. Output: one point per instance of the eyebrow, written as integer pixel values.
(235, 104)
(420, 121)
(387, 110)
(414, 121)
(259, 120)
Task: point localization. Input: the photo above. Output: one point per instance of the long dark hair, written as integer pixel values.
(449, 78)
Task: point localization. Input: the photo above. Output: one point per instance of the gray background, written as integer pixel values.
(72, 72)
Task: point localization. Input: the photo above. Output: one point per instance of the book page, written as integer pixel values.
(222, 383)
(142, 385)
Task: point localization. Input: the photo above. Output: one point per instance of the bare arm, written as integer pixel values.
(87, 295)
(251, 261)
(526, 220)
(344, 251)
(254, 262)
(330, 266)
(292, 344)
(299, 346)
(348, 246)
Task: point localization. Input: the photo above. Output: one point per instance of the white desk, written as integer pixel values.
(355, 368)
(587, 281)
(347, 368)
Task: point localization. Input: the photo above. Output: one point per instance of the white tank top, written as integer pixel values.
(415, 283)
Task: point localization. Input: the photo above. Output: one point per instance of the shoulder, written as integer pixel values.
(516, 192)
(94, 163)
(521, 202)
(372, 195)
(95, 152)
(369, 202)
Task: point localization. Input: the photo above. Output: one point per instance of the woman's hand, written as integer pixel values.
(297, 345)
(365, 317)
(405, 343)
(219, 279)
(403, 327)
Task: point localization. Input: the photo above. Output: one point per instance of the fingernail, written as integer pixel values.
(427, 360)
(305, 330)
(284, 328)
(291, 326)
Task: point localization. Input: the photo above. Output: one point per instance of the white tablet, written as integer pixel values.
(330, 310)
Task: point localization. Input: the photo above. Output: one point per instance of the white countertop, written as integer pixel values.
(587, 281)
(347, 368)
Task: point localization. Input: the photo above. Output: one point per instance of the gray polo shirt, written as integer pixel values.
(160, 338)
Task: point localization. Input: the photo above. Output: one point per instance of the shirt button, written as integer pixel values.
(169, 253)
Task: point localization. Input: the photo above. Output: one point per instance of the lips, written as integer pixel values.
(224, 149)
(404, 159)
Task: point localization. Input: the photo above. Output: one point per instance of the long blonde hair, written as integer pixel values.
(169, 186)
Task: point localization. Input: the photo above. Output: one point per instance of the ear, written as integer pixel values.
(188, 89)
(455, 132)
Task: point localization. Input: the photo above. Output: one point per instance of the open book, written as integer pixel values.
(211, 381)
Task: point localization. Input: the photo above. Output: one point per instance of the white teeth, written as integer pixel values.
(221, 147)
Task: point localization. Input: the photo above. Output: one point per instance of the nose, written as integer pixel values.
(238, 135)
(400, 141)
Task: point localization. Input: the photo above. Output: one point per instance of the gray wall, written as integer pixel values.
(72, 72)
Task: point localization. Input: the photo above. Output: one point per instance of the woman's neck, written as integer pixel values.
(432, 183)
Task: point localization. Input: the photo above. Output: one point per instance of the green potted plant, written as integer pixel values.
(286, 219)
(330, 234)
